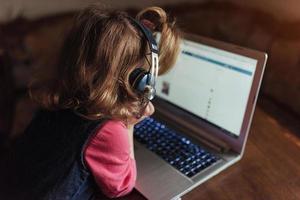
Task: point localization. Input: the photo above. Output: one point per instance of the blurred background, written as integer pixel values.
(32, 31)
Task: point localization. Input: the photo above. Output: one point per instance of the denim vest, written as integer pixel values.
(78, 185)
(50, 158)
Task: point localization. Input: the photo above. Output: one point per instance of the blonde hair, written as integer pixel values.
(170, 36)
(98, 55)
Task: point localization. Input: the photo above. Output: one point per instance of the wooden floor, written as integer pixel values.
(269, 170)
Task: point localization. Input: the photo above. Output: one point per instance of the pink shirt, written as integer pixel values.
(107, 155)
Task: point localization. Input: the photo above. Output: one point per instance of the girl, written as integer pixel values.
(82, 141)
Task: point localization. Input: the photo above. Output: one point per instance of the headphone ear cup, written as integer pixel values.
(138, 79)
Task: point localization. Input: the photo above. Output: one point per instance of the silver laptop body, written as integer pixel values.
(218, 120)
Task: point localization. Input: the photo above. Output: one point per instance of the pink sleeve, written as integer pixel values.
(107, 155)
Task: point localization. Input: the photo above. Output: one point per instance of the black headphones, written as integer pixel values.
(141, 80)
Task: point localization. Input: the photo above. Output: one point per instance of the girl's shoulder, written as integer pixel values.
(113, 124)
(111, 130)
(110, 140)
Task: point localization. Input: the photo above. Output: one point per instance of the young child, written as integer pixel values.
(81, 143)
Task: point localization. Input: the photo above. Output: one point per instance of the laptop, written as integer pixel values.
(203, 112)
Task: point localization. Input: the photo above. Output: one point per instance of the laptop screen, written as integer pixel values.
(210, 83)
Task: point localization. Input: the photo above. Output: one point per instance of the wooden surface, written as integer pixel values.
(269, 170)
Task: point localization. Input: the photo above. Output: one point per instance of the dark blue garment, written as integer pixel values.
(78, 185)
(48, 159)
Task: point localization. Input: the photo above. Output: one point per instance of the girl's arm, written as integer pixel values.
(108, 157)
(149, 110)
(131, 143)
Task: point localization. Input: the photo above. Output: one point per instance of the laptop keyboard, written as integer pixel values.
(174, 148)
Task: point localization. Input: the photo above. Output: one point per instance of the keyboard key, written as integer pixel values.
(177, 150)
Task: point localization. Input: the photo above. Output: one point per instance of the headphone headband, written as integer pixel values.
(147, 33)
(146, 84)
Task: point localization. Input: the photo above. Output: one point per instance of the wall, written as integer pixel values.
(10, 9)
(280, 9)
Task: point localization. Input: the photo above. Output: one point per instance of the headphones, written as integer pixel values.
(141, 80)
